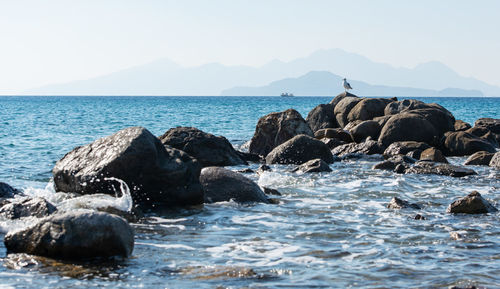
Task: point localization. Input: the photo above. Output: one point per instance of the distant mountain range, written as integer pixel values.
(316, 74)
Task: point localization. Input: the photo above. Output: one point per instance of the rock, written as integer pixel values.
(263, 168)
(382, 120)
(343, 108)
(414, 154)
(157, 176)
(132, 217)
(321, 116)
(403, 105)
(74, 235)
(336, 133)
(491, 124)
(341, 96)
(397, 129)
(352, 124)
(313, 166)
(299, 150)
(425, 167)
(269, 191)
(480, 158)
(208, 149)
(36, 207)
(394, 162)
(404, 147)
(473, 203)
(246, 171)
(442, 120)
(275, 129)
(367, 128)
(419, 217)
(6, 191)
(461, 143)
(397, 203)
(461, 125)
(433, 154)
(248, 157)
(495, 161)
(332, 142)
(484, 133)
(222, 185)
(368, 108)
(368, 147)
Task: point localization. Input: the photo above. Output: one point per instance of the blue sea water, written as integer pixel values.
(329, 230)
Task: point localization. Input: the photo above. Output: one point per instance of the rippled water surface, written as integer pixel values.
(328, 230)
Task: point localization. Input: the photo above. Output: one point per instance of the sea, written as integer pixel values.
(329, 230)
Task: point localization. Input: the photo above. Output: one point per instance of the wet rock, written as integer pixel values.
(400, 169)
(392, 163)
(133, 216)
(397, 129)
(440, 118)
(332, 142)
(6, 191)
(403, 105)
(158, 176)
(492, 124)
(275, 129)
(263, 168)
(419, 217)
(299, 150)
(461, 125)
(433, 154)
(405, 147)
(336, 133)
(352, 124)
(343, 108)
(484, 133)
(425, 167)
(461, 143)
(368, 108)
(341, 96)
(368, 147)
(246, 171)
(397, 203)
(414, 154)
(495, 161)
(270, 191)
(248, 157)
(208, 149)
(480, 158)
(365, 129)
(74, 235)
(473, 203)
(382, 120)
(36, 207)
(321, 117)
(222, 185)
(313, 166)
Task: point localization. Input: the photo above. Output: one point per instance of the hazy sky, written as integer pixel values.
(53, 41)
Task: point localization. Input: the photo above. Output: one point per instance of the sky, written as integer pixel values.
(56, 41)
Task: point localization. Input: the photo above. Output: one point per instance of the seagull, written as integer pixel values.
(346, 85)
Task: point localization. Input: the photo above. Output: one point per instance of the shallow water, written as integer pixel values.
(329, 229)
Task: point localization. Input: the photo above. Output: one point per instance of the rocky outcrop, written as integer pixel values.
(74, 235)
(480, 158)
(473, 203)
(425, 167)
(404, 147)
(222, 185)
(461, 143)
(321, 117)
(36, 207)
(397, 163)
(485, 134)
(492, 124)
(367, 128)
(343, 108)
(434, 155)
(495, 161)
(158, 176)
(313, 166)
(336, 133)
(6, 191)
(440, 118)
(461, 125)
(299, 150)
(397, 203)
(403, 105)
(368, 108)
(341, 96)
(275, 129)
(397, 129)
(369, 147)
(208, 149)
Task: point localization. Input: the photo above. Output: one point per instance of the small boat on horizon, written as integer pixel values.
(286, 94)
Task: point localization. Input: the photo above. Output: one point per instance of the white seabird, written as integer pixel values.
(346, 85)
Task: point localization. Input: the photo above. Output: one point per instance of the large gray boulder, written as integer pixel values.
(321, 116)
(222, 185)
(404, 147)
(343, 108)
(158, 176)
(368, 108)
(408, 127)
(276, 128)
(480, 158)
(74, 235)
(495, 161)
(473, 203)
(461, 143)
(208, 149)
(299, 150)
(367, 128)
(341, 96)
(36, 207)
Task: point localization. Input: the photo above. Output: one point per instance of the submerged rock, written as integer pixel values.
(222, 185)
(397, 203)
(313, 166)
(463, 144)
(263, 168)
(299, 150)
(208, 149)
(480, 158)
(433, 154)
(270, 191)
(6, 191)
(157, 176)
(425, 167)
(36, 207)
(473, 203)
(321, 117)
(74, 235)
